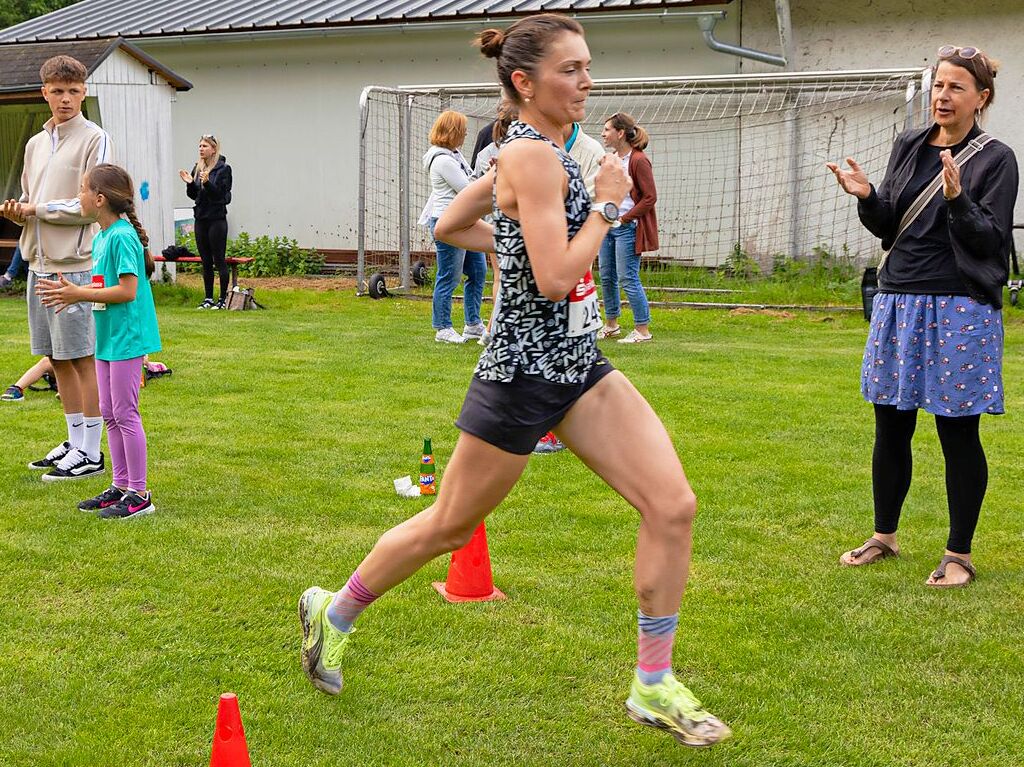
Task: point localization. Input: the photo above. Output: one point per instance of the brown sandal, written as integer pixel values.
(940, 573)
(871, 543)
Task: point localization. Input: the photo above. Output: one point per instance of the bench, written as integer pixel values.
(233, 262)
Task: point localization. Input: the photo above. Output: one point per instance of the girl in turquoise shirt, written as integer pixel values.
(126, 331)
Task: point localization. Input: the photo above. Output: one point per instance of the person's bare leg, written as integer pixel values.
(478, 478)
(645, 470)
(34, 373)
(68, 385)
(85, 370)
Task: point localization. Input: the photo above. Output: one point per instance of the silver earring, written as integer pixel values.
(527, 99)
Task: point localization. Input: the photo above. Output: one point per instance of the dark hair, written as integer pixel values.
(982, 68)
(114, 183)
(62, 69)
(507, 113)
(636, 136)
(523, 45)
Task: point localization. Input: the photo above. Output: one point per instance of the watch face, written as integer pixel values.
(611, 211)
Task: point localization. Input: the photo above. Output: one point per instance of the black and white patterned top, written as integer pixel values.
(530, 332)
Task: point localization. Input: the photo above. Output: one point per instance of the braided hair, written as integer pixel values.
(114, 183)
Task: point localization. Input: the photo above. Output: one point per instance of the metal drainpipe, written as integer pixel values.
(708, 22)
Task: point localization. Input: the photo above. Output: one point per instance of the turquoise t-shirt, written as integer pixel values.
(128, 330)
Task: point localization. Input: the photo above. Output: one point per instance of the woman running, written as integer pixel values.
(543, 371)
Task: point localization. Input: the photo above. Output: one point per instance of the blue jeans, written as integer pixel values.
(16, 263)
(452, 263)
(619, 264)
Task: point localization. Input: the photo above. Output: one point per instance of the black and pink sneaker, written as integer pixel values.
(131, 505)
(104, 500)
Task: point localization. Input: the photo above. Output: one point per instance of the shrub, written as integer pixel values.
(271, 256)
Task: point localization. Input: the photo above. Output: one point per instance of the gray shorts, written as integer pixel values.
(70, 335)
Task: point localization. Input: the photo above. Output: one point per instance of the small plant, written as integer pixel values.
(740, 264)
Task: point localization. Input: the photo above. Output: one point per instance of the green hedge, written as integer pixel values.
(271, 256)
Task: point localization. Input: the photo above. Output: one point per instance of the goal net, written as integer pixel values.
(739, 162)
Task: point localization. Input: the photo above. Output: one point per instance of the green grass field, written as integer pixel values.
(272, 451)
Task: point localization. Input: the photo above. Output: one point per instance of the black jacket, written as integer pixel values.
(211, 198)
(980, 219)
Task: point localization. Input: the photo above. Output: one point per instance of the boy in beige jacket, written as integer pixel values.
(57, 238)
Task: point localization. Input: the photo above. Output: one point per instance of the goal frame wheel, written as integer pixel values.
(376, 286)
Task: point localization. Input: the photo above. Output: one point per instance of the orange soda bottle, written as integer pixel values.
(428, 482)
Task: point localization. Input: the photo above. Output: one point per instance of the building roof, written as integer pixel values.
(20, 62)
(145, 19)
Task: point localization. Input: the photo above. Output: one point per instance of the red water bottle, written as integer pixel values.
(97, 282)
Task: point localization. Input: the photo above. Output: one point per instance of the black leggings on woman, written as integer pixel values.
(212, 241)
(966, 471)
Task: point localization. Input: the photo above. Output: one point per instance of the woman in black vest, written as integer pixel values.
(936, 340)
(209, 184)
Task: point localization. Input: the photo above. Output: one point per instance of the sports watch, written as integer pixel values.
(609, 212)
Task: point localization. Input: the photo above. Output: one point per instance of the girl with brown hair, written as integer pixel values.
(636, 233)
(126, 331)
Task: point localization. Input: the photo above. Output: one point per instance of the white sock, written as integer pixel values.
(93, 431)
(76, 428)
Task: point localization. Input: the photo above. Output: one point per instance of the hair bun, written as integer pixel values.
(490, 42)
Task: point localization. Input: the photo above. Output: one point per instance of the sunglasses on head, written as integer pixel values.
(967, 52)
(206, 136)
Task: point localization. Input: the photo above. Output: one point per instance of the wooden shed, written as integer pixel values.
(129, 95)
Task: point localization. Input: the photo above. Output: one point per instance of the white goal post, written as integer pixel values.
(739, 161)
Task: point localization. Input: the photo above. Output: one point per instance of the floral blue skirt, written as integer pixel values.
(942, 354)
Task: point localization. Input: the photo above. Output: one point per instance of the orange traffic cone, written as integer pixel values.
(469, 574)
(229, 749)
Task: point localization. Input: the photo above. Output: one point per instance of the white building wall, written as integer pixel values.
(135, 109)
(286, 111)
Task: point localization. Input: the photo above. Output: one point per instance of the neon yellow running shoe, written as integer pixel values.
(669, 705)
(323, 646)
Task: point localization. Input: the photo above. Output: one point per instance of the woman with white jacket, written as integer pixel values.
(449, 174)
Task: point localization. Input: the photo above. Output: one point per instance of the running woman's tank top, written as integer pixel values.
(531, 334)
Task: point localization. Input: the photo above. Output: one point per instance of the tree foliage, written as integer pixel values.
(16, 11)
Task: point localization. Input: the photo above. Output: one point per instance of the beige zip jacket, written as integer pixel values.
(59, 238)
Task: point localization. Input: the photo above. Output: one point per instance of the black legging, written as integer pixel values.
(212, 241)
(966, 471)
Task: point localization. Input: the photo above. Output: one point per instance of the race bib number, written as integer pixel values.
(584, 316)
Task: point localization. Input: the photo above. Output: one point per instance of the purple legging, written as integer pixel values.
(119, 405)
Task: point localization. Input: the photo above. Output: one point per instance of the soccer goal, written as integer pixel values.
(739, 162)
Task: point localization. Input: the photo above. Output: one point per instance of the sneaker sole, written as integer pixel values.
(685, 738)
(36, 467)
(143, 513)
(86, 475)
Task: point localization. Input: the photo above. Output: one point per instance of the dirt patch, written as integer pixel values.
(782, 315)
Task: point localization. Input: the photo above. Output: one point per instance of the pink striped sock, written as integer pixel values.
(349, 603)
(655, 638)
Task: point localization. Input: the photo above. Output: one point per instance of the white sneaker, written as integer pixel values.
(448, 336)
(634, 337)
(474, 331)
(485, 339)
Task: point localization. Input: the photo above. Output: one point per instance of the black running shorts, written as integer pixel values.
(514, 416)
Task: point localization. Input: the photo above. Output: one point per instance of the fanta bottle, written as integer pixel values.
(428, 482)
